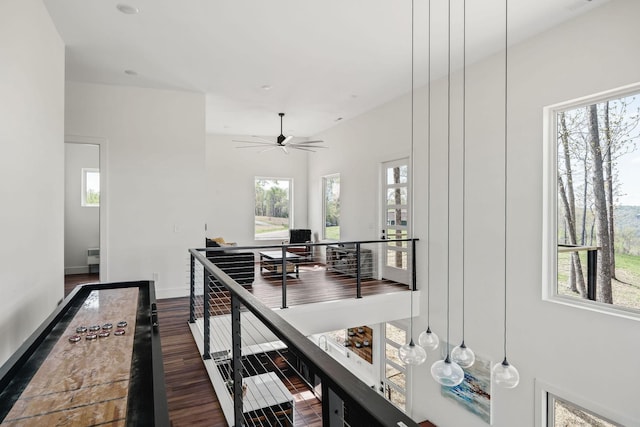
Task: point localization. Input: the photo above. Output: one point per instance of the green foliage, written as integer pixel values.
(93, 198)
(272, 198)
(332, 233)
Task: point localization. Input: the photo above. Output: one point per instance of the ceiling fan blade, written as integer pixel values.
(256, 146)
(284, 149)
(310, 142)
(298, 145)
(268, 149)
(262, 139)
(302, 148)
(253, 142)
(287, 139)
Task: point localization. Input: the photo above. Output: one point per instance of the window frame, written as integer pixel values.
(324, 205)
(544, 391)
(290, 224)
(83, 188)
(550, 205)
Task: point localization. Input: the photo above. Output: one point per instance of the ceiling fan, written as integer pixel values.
(282, 142)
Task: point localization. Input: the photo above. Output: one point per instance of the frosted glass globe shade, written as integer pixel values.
(463, 356)
(505, 375)
(428, 340)
(447, 373)
(412, 354)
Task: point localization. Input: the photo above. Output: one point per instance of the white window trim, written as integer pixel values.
(83, 188)
(543, 388)
(550, 206)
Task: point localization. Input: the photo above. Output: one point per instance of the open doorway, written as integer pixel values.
(82, 207)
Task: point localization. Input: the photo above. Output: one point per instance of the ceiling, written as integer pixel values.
(317, 61)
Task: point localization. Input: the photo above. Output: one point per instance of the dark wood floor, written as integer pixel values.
(190, 395)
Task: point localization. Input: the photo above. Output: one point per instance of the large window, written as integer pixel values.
(331, 207)
(273, 208)
(595, 243)
(561, 413)
(90, 187)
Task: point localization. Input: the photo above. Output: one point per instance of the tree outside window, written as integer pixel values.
(331, 207)
(598, 183)
(272, 208)
(90, 187)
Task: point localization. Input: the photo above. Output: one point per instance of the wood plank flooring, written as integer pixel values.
(190, 395)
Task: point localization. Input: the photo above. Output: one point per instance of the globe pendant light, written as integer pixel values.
(462, 354)
(505, 374)
(447, 372)
(412, 354)
(427, 339)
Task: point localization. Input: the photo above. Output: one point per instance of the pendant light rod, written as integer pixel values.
(428, 339)
(506, 115)
(448, 170)
(412, 354)
(429, 169)
(505, 374)
(462, 354)
(464, 151)
(411, 159)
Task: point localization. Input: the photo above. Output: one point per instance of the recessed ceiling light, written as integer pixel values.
(338, 119)
(129, 10)
(131, 72)
(265, 87)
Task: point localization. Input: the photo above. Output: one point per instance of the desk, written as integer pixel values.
(272, 261)
(267, 397)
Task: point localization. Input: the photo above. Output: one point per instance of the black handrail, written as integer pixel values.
(374, 410)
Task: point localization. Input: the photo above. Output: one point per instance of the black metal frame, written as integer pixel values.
(148, 406)
(592, 267)
(372, 408)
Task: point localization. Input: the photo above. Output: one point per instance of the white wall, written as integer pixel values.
(31, 170)
(81, 223)
(155, 172)
(230, 187)
(581, 353)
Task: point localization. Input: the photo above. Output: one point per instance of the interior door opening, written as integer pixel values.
(82, 210)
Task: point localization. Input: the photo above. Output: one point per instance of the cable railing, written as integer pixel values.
(297, 274)
(266, 372)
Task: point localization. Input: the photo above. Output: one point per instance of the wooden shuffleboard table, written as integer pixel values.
(96, 361)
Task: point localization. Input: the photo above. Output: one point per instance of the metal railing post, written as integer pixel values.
(592, 273)
(414, 280)
(236, 360)
(192, 291)
(205, 308)
(326, 416)
(358, 273)
(284, 277)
